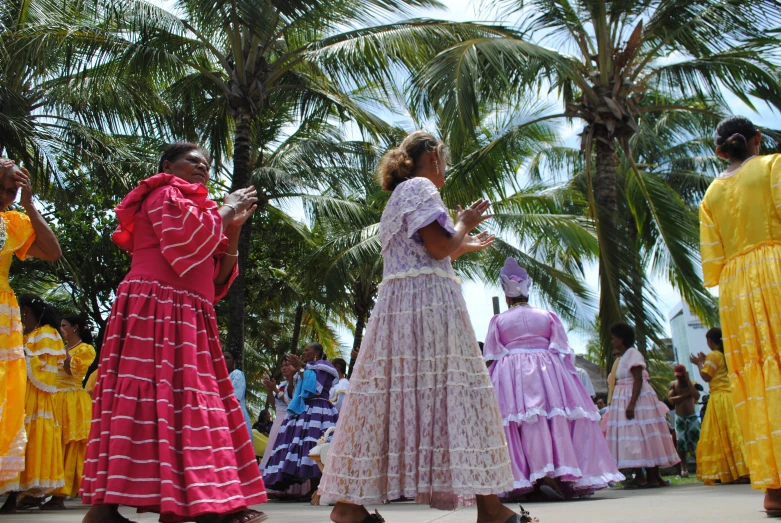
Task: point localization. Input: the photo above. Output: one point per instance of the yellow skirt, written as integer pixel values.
(720, 453)
(43, 470)
(13, 383)
(750, 309)
(73, 412)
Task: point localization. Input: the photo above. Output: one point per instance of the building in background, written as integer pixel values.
(688, 337)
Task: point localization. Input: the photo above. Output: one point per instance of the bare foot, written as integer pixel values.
(349, 513)
(491, 510)
(773, 499)
(104, 514)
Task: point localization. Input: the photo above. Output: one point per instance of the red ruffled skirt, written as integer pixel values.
(168, 435)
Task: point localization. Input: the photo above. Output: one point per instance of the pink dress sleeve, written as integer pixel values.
(493, 348)
(559, 342)
(189, 234)
(632, 358)
(425, 206)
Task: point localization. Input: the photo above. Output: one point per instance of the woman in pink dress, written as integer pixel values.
(637, 431)
(168, 435)
(420, 419)
(551, 424)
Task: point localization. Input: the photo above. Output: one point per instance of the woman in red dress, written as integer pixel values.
(168, 435)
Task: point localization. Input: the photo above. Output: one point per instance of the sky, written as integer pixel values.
(479, 297)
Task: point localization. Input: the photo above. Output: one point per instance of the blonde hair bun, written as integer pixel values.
(398, 165)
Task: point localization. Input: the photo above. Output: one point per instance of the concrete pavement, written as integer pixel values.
(689, 503)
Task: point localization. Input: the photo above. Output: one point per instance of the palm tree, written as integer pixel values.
(59, 102)
(231, 65)
(629, 58)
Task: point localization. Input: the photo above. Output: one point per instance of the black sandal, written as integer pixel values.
(373, 518)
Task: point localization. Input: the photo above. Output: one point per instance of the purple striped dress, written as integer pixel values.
(289, 463)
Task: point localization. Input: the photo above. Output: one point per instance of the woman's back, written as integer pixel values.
(525, 327)
(743, 208)
(414, 204)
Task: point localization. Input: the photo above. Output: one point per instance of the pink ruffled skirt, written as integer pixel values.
(551, 424)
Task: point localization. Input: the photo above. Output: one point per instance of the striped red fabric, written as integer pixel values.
(168, 435)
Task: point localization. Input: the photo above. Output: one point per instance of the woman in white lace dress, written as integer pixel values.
(420, 419)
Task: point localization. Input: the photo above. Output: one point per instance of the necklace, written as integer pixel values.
(727, 174)
(519, 304)
(74, 345)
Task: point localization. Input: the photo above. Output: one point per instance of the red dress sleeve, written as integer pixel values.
(189, 234)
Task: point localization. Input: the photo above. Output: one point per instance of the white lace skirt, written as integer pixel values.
(420, 419)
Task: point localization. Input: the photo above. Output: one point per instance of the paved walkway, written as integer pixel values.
(690, 503)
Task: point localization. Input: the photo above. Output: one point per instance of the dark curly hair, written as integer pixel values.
(45, 313)
(398, 165)
(623, 332)
(733, 135)
(176, 150)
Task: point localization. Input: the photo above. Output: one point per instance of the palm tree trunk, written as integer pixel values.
(237, 294)
(360, 324)
(606, 196)
(297, 328)
(637, 288)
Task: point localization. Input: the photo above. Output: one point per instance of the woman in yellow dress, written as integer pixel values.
(720, 452)
(73, 405)
(24, 235)
(45, 353)
(740, 242)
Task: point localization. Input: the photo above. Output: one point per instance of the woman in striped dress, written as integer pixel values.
(168, 434)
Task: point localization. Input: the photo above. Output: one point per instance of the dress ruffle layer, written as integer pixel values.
(750, 303)
(644, 441)
(168, 435)
(720, 453)
(420, 419)
(551, 424)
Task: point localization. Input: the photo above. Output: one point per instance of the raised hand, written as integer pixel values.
(243, 202)
(270, 384)
(477, 242)
(23, 181)
(698, 360)
(295, 362)
(473, 216)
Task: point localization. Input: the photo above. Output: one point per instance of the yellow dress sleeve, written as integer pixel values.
(81, 358)
(19, 233)
(711, 248)
(712, 362)
(90, 385)
(45, 353)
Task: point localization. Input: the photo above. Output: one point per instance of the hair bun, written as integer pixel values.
(395, 167)
(733, 135)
